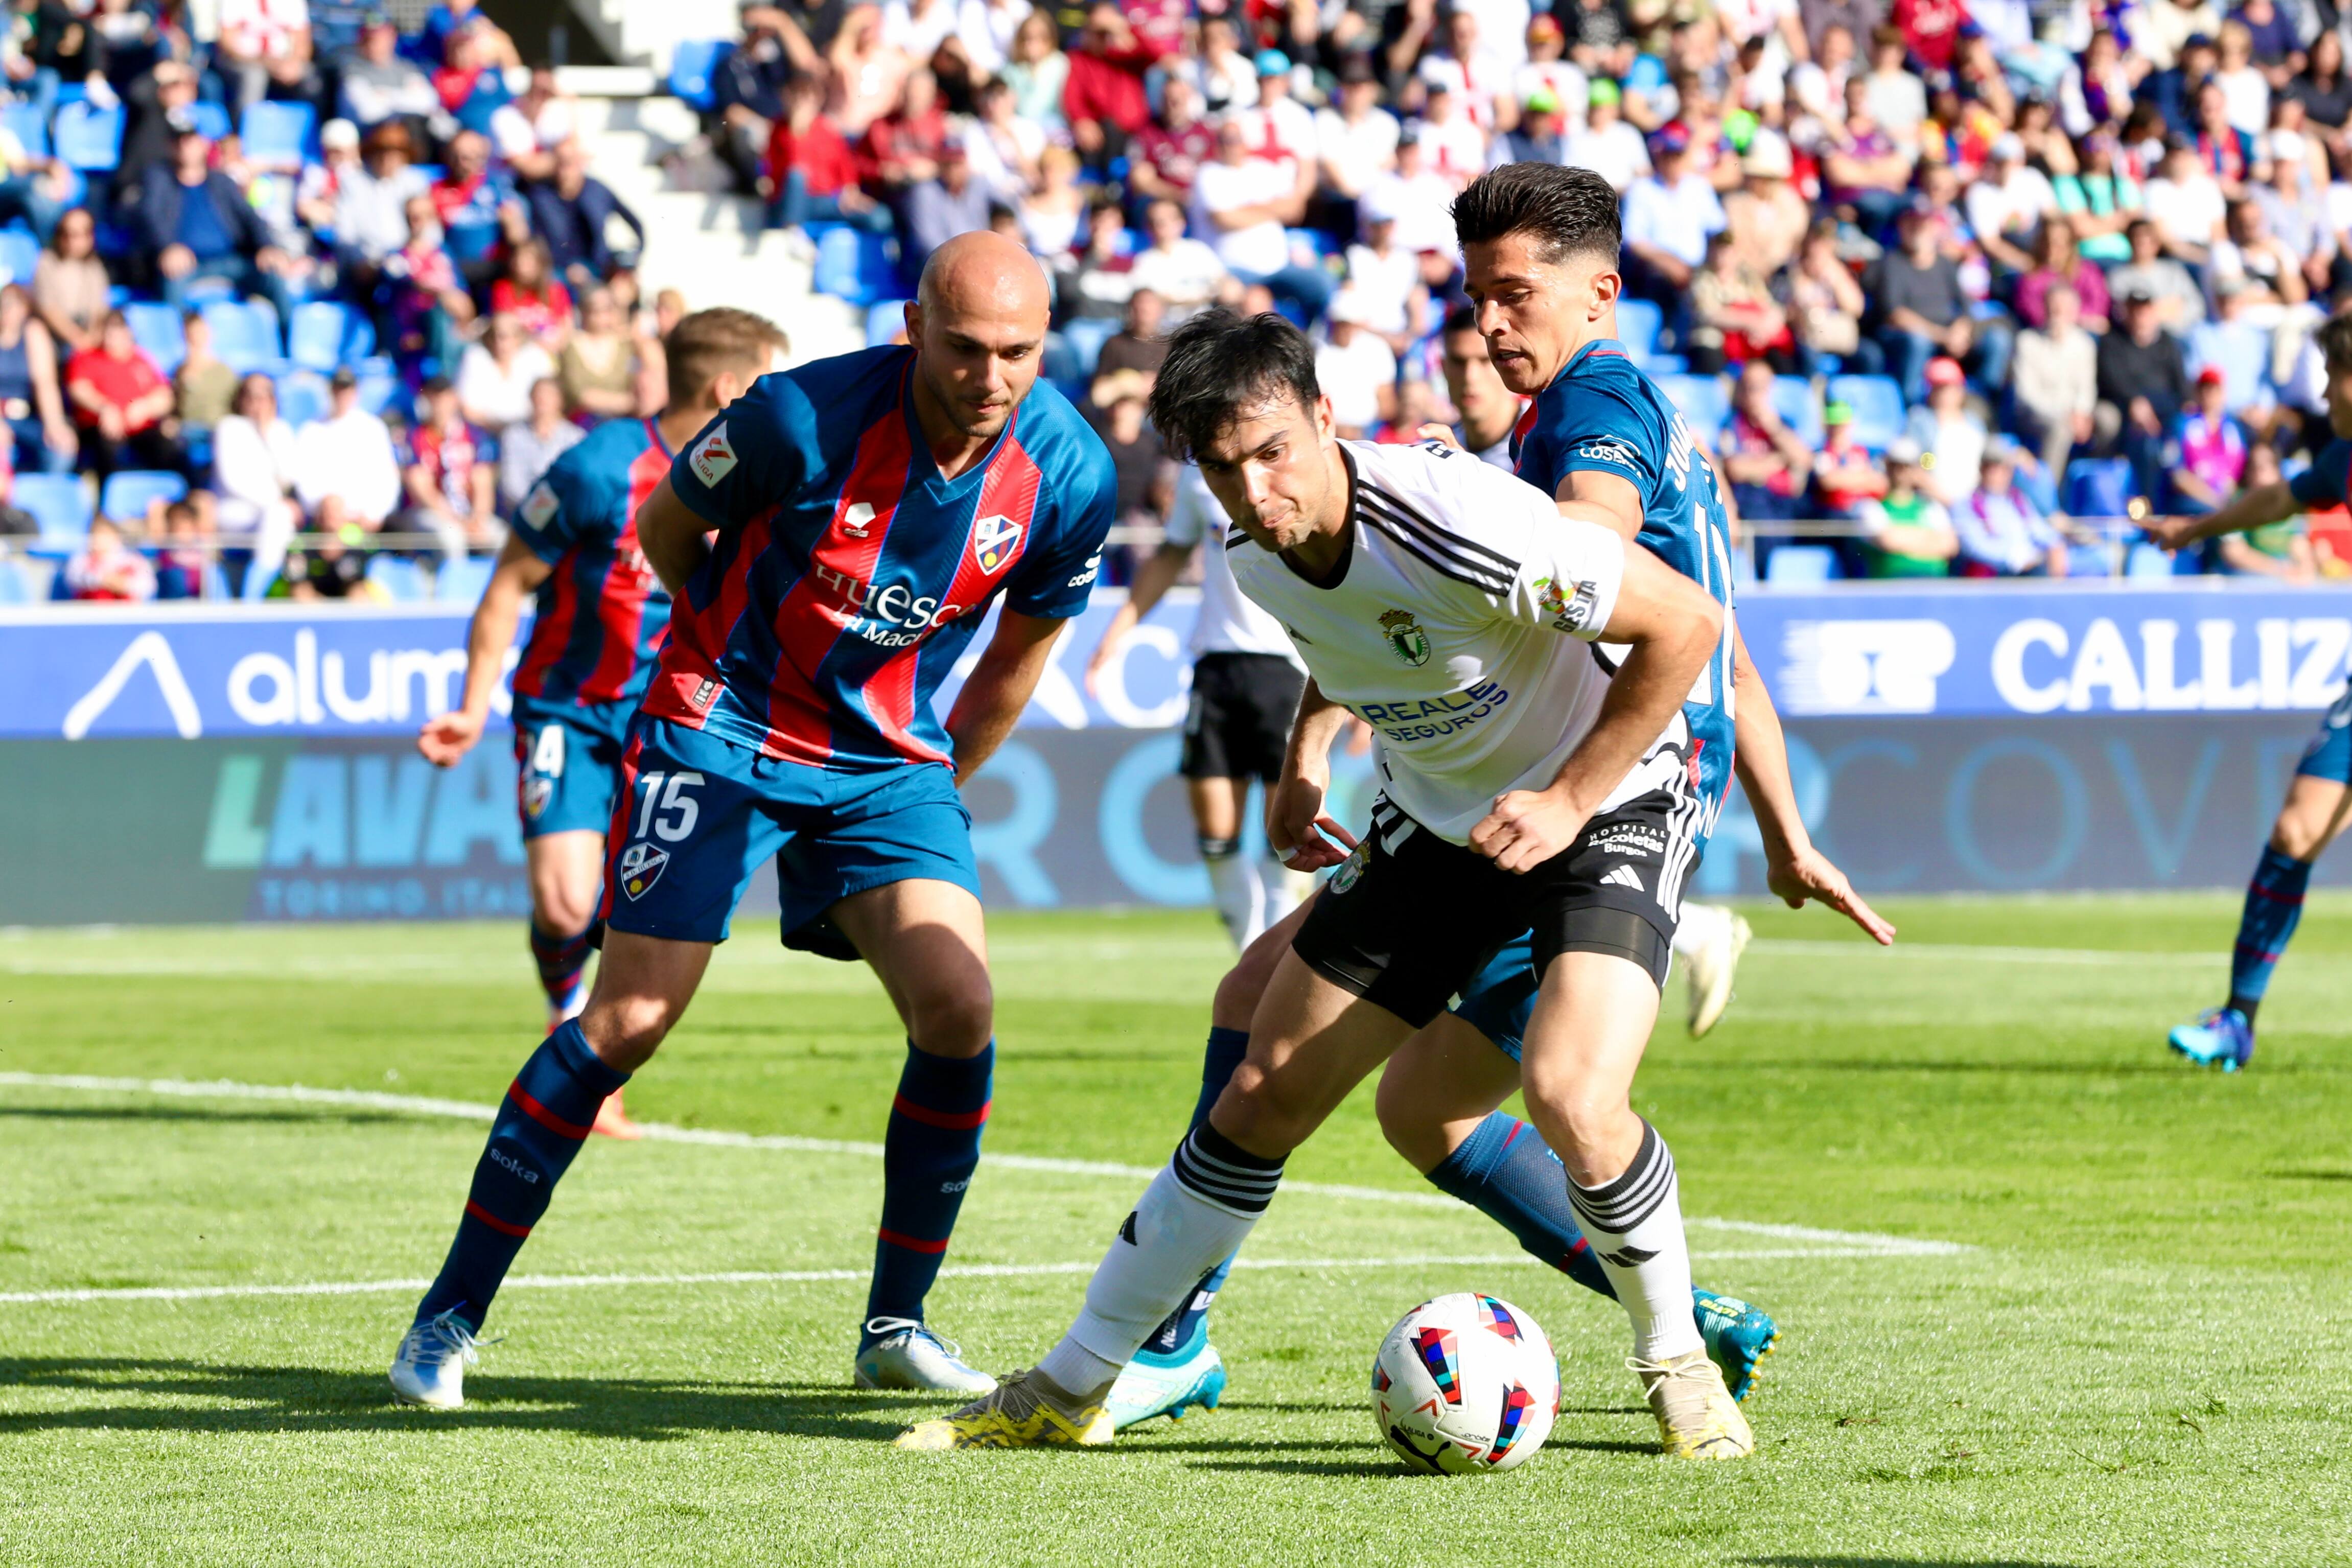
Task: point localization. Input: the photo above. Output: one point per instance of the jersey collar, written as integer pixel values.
(1599, 348)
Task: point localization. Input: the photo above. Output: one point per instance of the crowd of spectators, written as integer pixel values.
(2084, 241)
(422, 187)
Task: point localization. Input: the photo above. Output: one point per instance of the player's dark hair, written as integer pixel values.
(1462, 318)
(1220, 366)
(1567, 212)
(2336, 342)
(709, 341)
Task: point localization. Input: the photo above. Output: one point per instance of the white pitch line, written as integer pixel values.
(1860, 1241)
(2096, 956)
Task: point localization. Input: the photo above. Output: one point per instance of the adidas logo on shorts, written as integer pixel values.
(1623, 876)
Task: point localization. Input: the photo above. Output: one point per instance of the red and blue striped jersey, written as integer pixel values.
(602, 609)
(847, 574)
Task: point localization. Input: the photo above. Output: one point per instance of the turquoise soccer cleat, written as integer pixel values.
(1739, 1337)
(429, 1367)
(2222, 1038)
(1168, 1385)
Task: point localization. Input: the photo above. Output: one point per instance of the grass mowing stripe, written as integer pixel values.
(1861, 1243)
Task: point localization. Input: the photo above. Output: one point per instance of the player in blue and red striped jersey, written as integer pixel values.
(864, 512)
(599, 621)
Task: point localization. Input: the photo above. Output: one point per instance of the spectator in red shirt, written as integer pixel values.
(1168, 154)
(902, 148)
(1931, 29)
(122, 404)
(452, 491)
(532, 294)
(106, 568)
(812, 174)
(1103, 99)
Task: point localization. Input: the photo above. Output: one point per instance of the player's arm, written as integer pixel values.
(1000, 685)
(671, 534)
(1153, 578)
(2255, 509)
(1672, 628)
(1297, 828)
(1793, 869)
(447, 736)
(1608, 499)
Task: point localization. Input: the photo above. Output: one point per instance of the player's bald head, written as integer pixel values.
(978, 324)
(984, 274)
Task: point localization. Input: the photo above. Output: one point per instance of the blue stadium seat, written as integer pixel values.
(19, 253)
(2099, 487)
(87, 138)
(245, 334)
(279, 133)
(379, 392)
(31, 130)
(399, 579)
(2089, 560)
(2145, 561)
(129, 490)
(157, 329)
(1638, 324)
(25, 581)
(1087, 335)
(883, 321)
(1800, 565)
(59, 503)
(693, 66)
(856, 265)
(212, 119)
(1706, 402)
(1793, 401)
(461, 581)
(1877, 402)
(1655, 365)
(302, 398)
(324, 334)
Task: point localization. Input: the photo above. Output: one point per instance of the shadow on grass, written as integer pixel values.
(318, 1399)
(2311, 1175)
(1896, 1562)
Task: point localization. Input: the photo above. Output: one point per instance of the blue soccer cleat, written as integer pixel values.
(1739, 1337)
(1168, 1385)
(429, 1367)
(906, 1354)
(2222, 1038)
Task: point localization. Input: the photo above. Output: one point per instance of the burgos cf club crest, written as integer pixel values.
(1569, 613)
(993, 541)
(1405, 636)
(641, 867)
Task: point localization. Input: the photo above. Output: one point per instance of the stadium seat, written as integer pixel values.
(461, 581)
(19, 253)
(87, 138)
(2242, 354)
(1877, 403)
(379, 391)
(31, 130)
(302, 398)
(2089, 560)
(1088, 334)
(1638, 324)
(883, 321)
(129, 490)
(1800, 565)
(245, 334)
(212, 119)
(157, 329)
(25, 581)
(693, 68)
(856, 265)
(399, 579)
(1706, 401)
(59, 503)
(323, 334)
(1655, 364)
(2098, 488)
(282, 134)
(1793, 401)
(2145, 561)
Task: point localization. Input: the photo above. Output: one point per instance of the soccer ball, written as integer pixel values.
(1464, 1384)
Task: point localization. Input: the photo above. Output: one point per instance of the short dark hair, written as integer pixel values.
(1220, 366)
(2336, 342)
(1461, 319)
(1566, 211)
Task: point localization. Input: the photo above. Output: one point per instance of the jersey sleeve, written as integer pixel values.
(2326, 482)
(1599, 431)
(1195, 512)
(753, 455)
(560, 511)
(1568, 572)
(1053, 583)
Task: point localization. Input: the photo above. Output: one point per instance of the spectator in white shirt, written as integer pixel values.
(1385, 280)
(261, 45)
(526, 450)
(255, 466)
(1607, 144)
(1668, 217)
(1280, 129)
(1547, 70)
(1896, 100)
(2243, 87)
(1184, 272)
(1478, 76)
(1245, 203)
(2187, 205)
(1355, 144)
(346, 473)
(1422, 201)
(2007, 206)
(1451, 143)
(495, 376)
(1356, 370)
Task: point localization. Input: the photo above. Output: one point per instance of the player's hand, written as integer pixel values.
(1095, 663)
(2169, 533)
(1441, 433)
(447, 738)
(1527, 827)
(1808, 874)
(1302, 835)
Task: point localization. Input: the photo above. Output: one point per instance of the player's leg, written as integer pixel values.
(1709, 940)
(926, 941)
(564, 869)
(2317, 807)
(1233, 886)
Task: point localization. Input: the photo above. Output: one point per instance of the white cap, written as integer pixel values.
(1346, 307)
(2007, 145)
(339, 133)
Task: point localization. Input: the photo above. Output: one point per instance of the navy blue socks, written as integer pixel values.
(928, 1155)
(1507, 1172)
(561, 960)
(2273, 906)
(540, 1125)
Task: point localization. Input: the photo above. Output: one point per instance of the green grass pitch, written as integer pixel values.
(2138, 1355)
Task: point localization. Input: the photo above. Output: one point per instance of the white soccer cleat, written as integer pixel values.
(429, 1367)
(909, 1355)
(1712, 969)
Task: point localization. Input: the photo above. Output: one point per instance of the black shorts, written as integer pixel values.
(1409, 919)
(1239, 724)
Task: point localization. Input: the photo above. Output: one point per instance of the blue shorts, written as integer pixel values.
(1501, 997)
(2329, 755)
(696, 815)
(568, 764)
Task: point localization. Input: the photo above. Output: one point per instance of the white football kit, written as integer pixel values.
(1460, 628)
(1228, 623)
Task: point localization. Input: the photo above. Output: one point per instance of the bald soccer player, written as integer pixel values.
(829, 542)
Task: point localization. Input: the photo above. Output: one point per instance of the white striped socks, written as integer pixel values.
(1635, 1225)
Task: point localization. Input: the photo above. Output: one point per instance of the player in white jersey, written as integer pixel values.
(1452, 607)
(1246, 685)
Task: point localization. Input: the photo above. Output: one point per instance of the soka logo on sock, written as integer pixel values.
(641, 867)
(514, 1167)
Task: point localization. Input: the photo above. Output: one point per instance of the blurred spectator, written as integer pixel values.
(180, 560)
(526, 450)
(1355, 142)
(482, 217)
(373, 84)
(31, 396)
(196, 225)
(2324, 87)
(1907, 532)
(902, 147)
(121, 403)
(1951, 436)
(428, 302)
(263, 51)
(530, 294)
(1606, 143)
(1541, 135)
(2282, 550)
(1734, 319)
(952, 203)
(107, 568)
(1243, 203)
(255, 467)
(1770, 465)
(527, 131)
(1923, 312)
(1094, 281)
(864, 71)
(2054, 378)
(70, 285)
(2188, 205)
(331, 569)
(570, 213)
(1356, 370)
(1038, 70)
(1279, 127)
(1484, 410)
(1385, 279)
(1004, 147)
(1765, 213)
(749, 86)
(812, 174)
(1136, 455)
(1865, 169)
(2178, 301)
(1051, 215)
(2057, 264)
(2010, 205)
(2100, 200)
(1846, 472)
(2206, 457)
(1669, 215)
(449, 484)
(597, 367)
(1419, 198)
(203, 387)
(2001, 532)
(2142, 379)
(495, 376)
(1139, 345)
(147, 133)
(33, 188)
(1103, 100)
(1826, 307)
(1225, 78)
(346, 472)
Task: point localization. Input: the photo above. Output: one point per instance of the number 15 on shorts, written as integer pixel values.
(667, 810)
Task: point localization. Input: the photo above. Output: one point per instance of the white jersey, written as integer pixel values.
(1460, 628)
(1228, 623)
